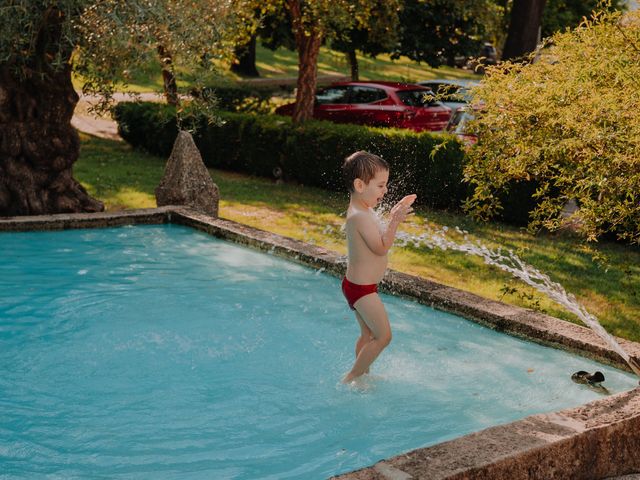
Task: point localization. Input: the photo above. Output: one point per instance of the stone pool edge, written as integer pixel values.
(591, 441)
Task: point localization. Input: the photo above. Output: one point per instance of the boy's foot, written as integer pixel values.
(361, 384)
(348, 378)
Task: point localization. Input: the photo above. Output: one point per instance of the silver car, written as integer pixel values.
(454, 94)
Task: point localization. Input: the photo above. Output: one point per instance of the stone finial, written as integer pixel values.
(186, 180)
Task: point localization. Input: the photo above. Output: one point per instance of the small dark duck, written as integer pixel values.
(591, 380)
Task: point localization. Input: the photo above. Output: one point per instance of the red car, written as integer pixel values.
(379, 104)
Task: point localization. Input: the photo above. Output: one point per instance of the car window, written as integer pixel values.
(416, 98)
(332, 95)
(456, 119)
(358, 94)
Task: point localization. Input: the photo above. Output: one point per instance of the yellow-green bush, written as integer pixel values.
(568, 122)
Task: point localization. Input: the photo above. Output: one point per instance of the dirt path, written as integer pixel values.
(96, 126)
(104, 126)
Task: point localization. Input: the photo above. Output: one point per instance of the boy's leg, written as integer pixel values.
(373, 314)
(365, 335)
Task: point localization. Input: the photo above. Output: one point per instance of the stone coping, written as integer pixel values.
(592, 441)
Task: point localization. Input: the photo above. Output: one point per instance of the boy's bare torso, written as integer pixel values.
(364, 267)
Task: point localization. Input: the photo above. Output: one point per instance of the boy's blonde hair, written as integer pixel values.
(362, 165)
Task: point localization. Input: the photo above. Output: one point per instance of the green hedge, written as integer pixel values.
(244, 98)
(311, 154)
(151, 126)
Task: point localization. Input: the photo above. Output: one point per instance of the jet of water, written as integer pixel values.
(508, 261)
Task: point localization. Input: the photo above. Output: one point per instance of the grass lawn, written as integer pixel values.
(284, 63)
(124, 178)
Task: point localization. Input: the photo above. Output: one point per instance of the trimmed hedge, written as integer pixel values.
(151, 126)
(244, 98)
(311, 154)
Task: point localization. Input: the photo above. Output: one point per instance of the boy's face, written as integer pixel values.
(371, 193)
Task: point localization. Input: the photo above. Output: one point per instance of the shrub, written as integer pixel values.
(427, 164)
(311, 154)
(151, 126)
(568, 123)
(244, 98)
(243, 142)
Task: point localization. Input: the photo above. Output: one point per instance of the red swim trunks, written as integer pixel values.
(354, 292)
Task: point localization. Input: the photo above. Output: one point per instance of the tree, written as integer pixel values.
(168, 77)
(314, 22)
(436, 31)
(43, 42)
(276, 30)
(557, 16)
(380, 35)
(245, 59)
(524, 28)
(560, 15)
(568, 123)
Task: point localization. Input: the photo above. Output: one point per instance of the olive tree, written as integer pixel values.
(569, 123)
(42, 42)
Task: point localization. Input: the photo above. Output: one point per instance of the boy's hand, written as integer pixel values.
(403, 208)
(409, 199)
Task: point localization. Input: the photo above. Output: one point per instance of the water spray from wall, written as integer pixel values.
(508, 261)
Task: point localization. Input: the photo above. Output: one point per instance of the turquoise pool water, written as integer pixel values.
(160, 352)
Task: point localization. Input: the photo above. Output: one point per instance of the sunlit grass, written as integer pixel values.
(284, 63)
(124, 178)
(114, 173)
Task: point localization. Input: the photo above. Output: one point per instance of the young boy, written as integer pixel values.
(366, 176)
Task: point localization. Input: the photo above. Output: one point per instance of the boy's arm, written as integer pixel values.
(370, 232)
(389, 234)
(398, 213)
(368, 229)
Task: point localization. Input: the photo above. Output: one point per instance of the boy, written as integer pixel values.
(366, 176)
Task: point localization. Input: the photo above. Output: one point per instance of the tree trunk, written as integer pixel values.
(353, 64)
(38, 146)
(168, 78)
(524, 27)
(308, 41)
(246, 59)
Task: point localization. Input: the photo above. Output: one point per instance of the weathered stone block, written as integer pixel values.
(186, 180)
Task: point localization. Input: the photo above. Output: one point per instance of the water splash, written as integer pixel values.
(507, 260)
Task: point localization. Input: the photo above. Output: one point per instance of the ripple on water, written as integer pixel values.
(177, 355)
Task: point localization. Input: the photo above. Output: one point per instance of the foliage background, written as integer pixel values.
(569, 121)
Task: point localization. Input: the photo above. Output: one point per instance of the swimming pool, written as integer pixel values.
(158, 351)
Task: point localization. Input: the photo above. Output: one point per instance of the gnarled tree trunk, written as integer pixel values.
(38, 145)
